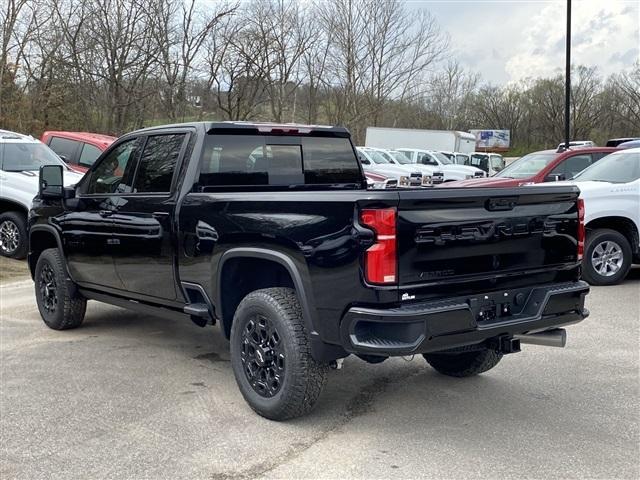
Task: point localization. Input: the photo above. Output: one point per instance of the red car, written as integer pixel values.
(78, 149)
(538, 167)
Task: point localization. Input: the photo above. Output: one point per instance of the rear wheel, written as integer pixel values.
(60, 306)
(607, 257)
(13, 235)
(271, 355)
(465, 363)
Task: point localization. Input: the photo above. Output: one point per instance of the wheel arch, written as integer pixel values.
(7, 205)
(623, 225)
(42, 237)
(268, 268)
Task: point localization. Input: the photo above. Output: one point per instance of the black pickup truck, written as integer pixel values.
(270, 231)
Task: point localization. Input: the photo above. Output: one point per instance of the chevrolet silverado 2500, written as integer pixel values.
(269, 231)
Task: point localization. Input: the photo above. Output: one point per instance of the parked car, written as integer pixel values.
(301, 265)
(430, 175)
(373, 161)
(542, 166)
(78, 149)
(630, 144)
(21, 157)
(614, 142)
(451, 171)
(491, 163)
(611, 193)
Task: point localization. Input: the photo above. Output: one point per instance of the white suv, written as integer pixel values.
(21, 157)
(610, 189)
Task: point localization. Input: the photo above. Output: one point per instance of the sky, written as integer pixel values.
(509, 40)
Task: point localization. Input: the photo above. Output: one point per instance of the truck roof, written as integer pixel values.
(257, 127)
(104, 140)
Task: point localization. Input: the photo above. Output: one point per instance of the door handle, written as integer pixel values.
(106, 213)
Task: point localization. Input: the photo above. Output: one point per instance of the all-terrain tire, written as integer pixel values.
(605, 236)
(301, 379)
(463, 364)
(14, 241)
(61, 306)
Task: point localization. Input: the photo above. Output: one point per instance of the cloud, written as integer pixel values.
(604, 34)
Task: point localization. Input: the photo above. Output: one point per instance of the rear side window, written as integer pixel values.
(89, 155)
(65, 148)
(158, 162)
(255, 160)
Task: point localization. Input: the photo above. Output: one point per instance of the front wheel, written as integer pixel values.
(607, 257)
(271, 355)
(13, 235)
(464, 364)
(60, 306)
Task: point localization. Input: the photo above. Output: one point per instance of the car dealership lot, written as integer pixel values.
(133, 396)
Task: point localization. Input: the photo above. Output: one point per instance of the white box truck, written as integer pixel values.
(439, 140)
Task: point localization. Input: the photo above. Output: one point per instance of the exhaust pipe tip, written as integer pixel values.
(549, 338)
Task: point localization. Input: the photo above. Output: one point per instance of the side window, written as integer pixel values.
(89, 155)
(572, 166)
(158, 162)
(65, 148)
(114, 172)
(233, 160)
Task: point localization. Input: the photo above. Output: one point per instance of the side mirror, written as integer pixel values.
(556, 177)
(51, 184)
(63, 158)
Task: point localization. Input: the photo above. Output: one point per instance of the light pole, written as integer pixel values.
(567, 81)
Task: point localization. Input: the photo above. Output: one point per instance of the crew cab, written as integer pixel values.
(542, 166)
(450, 169)
(21, 156)
(269, 231)
(78, 149)
(611, 193)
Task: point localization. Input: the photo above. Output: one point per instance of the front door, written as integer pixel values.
(87, 225)
(143, 226)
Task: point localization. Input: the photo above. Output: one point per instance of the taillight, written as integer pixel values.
(380, 258)
(581, 229)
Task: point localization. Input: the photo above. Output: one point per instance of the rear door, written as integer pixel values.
(457, 236)
(143, 223)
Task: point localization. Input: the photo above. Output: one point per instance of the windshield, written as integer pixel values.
(480, 161)
(441, 158)
(400, 157)
(377, 157)
(462, 159)
(20, 157)
(527, 166)
(618, 168)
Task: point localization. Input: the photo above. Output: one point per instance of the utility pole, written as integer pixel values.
(567, 82)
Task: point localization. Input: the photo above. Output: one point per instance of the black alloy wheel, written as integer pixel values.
(263, 356)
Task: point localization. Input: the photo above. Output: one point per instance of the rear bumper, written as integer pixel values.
(432, 326)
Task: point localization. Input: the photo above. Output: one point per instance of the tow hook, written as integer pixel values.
(507, 345)
(336, 364)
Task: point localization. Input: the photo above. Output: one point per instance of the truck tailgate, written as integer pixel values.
(457, 235)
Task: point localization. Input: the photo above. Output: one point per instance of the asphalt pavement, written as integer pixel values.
(133, 397)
